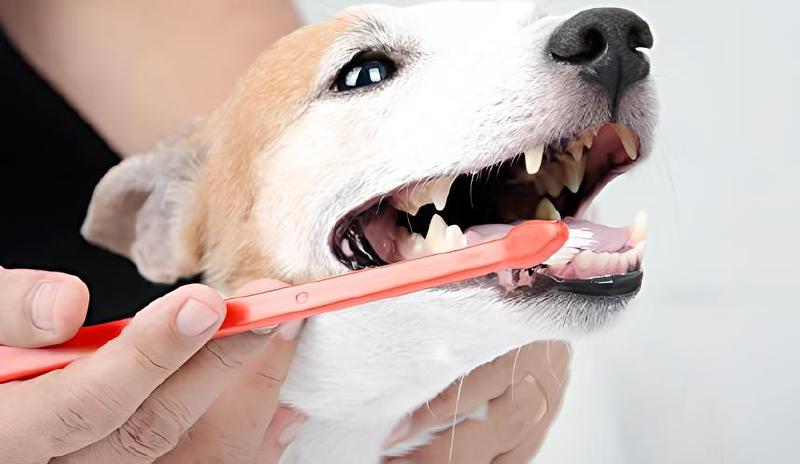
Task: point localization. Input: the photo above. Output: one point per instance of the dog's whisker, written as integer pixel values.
(514, 376)
(455, 421)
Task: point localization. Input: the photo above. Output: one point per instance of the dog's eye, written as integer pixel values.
(364, 72)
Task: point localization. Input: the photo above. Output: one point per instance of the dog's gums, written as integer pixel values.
(550, 181)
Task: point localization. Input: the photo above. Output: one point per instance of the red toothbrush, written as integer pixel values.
(526, 245)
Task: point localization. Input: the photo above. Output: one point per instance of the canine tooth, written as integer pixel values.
(547, 211)
(629, 140)
(437, 228)
(533, 159)
(573, 170)
(575, 148)
(440, 190)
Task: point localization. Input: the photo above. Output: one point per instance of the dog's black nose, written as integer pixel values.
(604, 43)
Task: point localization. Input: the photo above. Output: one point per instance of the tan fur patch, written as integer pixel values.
(266, 100)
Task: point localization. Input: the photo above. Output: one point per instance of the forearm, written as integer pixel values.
(138, 70)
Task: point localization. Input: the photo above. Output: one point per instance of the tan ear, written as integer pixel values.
(141, 210)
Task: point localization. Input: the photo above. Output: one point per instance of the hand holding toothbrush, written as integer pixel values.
(134, 400)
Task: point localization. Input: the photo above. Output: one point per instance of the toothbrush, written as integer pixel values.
(526, 245)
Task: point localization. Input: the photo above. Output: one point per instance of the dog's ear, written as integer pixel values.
(142, 208)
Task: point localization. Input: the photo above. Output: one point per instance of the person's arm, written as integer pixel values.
(138, 71)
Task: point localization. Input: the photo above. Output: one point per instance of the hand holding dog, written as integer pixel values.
(134, 400)
(524, 390)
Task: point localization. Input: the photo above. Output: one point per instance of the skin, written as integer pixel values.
(159, 393)
(97, 70)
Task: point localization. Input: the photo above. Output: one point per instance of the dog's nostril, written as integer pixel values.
(604, 43)
(640, 38)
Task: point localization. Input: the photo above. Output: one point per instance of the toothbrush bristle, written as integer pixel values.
(579, 240)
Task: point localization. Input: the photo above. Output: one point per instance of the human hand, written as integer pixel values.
(135, 399)
(524, 390)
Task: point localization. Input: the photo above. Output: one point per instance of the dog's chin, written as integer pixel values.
(557, 307)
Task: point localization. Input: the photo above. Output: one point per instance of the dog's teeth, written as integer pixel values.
(441, 238)
(629, 140)
(454, 238)
(601, 260)
(547, 211)
(413, 247)
(436, 228)
(575, 148)
(587, 137)
(533, 159)
(573, 171)
(440, 190)
(402, 202)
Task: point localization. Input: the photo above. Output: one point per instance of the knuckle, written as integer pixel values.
(153, 430)
(85, 414)
(219, 356)
(149, 361)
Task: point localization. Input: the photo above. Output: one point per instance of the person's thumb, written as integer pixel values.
(39, 308)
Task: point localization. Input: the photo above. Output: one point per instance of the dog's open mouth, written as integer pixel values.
(554, 181)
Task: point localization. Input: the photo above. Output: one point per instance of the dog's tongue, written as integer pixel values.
(607, 239)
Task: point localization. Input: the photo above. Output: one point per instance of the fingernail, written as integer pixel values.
(44, 301)
(289, 434)
(398, 433)
(290, 330)
(195, 318)
(540, 413)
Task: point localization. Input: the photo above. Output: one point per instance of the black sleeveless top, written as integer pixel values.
(50, 161)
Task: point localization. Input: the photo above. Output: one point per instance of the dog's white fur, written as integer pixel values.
(474, 87)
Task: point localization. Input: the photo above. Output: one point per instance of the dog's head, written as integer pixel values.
(390, 133)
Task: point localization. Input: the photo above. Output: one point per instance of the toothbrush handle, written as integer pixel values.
(526, 245)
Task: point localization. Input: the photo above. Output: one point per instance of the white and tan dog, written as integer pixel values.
(390, 133)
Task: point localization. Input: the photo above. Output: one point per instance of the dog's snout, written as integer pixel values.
(604, 42)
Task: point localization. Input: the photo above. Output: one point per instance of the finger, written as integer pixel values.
(550, 363)
(40, 308)
(481, 385)
(510, 419)
(281, 432)
(157, 425)
(234, 428)
(67, 410)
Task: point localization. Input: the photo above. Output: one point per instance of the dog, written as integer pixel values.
(391, 133)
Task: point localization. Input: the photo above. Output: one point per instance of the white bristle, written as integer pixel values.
(579, 240)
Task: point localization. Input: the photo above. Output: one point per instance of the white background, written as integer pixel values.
(705, 367)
